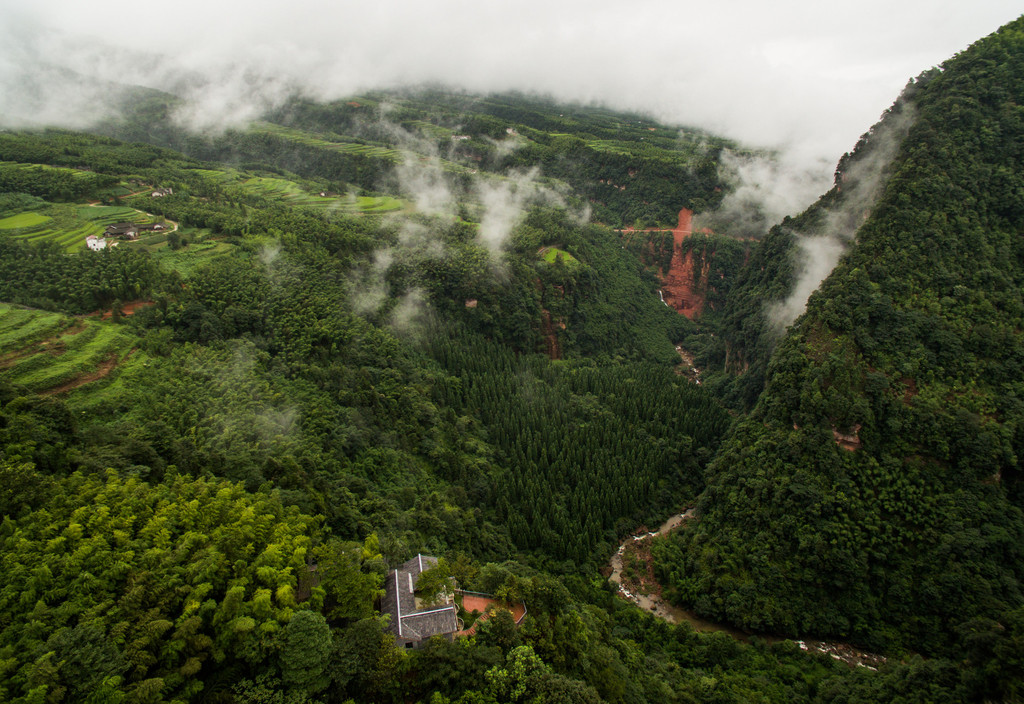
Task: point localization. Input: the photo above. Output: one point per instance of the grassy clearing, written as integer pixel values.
(646, 150)
(75, 173)
(116, 191)
(30, 219)
(46, 351)
(338, 143)
(104, 397)
(109, 214)
(428, 129)
(553, 254)
(332, 142)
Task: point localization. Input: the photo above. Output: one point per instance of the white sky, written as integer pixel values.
(809, 76)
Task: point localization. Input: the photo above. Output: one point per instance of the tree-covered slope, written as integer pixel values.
(627, 168)
(875, 491)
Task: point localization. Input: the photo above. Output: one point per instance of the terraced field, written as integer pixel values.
(429, 129)
(74, 173)
(186, 261)
(21, 327)
(52, 353)
(339, 144)
(67, 225)
(294, 193)
(342, 144)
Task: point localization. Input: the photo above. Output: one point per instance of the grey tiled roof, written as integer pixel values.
(399, 601)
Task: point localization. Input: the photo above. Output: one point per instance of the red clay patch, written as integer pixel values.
(485, 606)
(128, 309)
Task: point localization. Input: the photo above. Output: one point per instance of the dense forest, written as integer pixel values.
(874, 491)
(346, 340)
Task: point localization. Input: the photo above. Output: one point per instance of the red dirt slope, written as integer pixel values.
(679, 287)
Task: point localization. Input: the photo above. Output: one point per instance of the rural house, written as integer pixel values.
(123, 230)
(412, 621)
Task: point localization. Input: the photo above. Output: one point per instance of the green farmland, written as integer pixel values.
(51, 352)
(67, 225)
(296, 193)
(187, 260)
(350, 146)
(341, 144)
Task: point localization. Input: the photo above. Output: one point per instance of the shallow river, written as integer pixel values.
(673, 614)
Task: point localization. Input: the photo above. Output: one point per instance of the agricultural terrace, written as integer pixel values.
(333, 142)
(67, 225)
(428, 129)
(297, 193)
(348, 145)
(188, 260)
(53, 353)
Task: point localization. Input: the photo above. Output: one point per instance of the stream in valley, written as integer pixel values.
(646, 594)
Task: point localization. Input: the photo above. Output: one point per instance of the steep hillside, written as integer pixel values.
(875, 492)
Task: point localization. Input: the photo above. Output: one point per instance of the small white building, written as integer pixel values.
(95, 243)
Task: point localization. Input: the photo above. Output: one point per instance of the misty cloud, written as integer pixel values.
(370, 290)
(424, 180)
(861, 179)
(764, 188)
(504, 204)
(818, 256)
(410, 316)
(790, 74)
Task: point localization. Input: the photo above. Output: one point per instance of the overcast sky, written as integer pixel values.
(807, 75)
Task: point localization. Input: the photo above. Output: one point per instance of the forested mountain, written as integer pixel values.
(628, 168)
(400, 323)
(874, 493)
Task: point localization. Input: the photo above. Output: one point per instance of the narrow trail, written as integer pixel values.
(644, 591)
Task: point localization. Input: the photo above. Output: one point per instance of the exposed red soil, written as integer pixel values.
(680, 285)
(127, 309)
(485, 606)
(681, 289)
(910, 391)
(552, 347)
